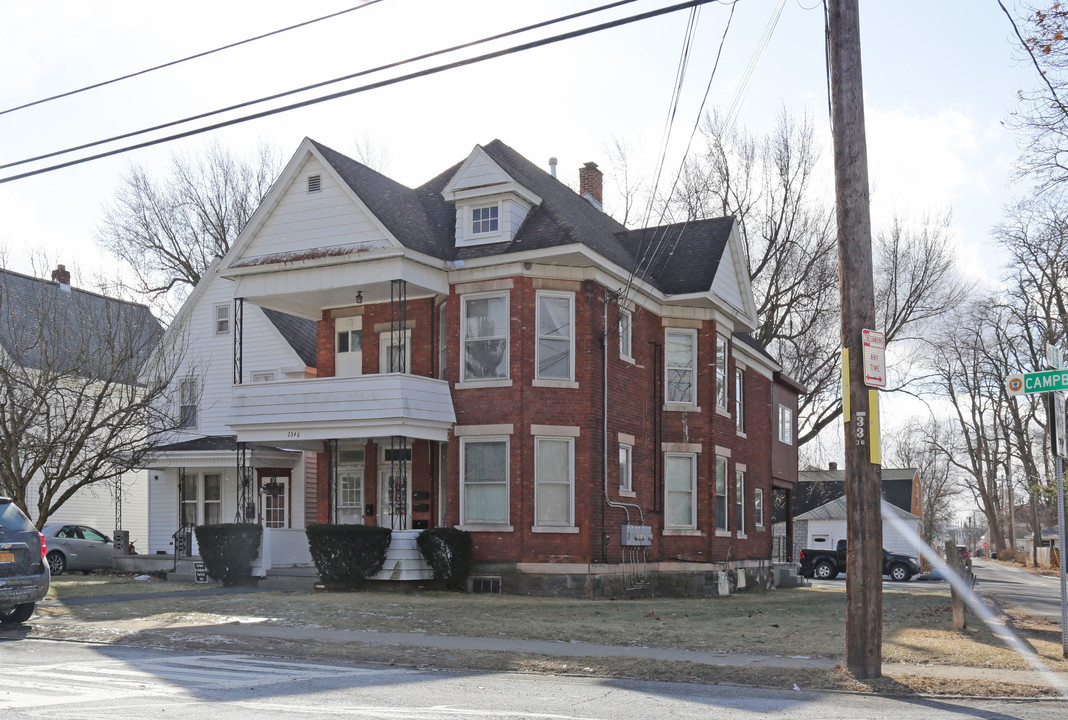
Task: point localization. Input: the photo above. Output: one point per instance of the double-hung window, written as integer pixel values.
(721, 372)
(739, 400)
(556, 336)
(786, 425)
(202, 499)
(188, 390)
(626, 320)
(222, 319)
(680, 366)
(625, 467)
(484, 478)
(721, 494)
(758, 508)
(443, 341)
(484, 330)
(554, 474)
(739, 500)
(680, 488)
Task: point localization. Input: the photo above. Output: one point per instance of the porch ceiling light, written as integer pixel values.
(359, 297)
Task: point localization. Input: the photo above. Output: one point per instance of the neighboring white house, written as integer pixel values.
(91, 318)
(194, 478)
(824, 526)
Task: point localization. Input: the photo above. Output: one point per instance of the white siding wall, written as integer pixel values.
(892, 540)
(95, 506)
(304, 221)
(481, 172)
(725, 284)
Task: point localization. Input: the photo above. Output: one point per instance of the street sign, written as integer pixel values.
(874, 358)
(1054, 358)
(1037, 382)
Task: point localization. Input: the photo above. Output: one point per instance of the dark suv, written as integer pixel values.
(24, 573)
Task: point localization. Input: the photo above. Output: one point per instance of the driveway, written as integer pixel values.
(1009, 585)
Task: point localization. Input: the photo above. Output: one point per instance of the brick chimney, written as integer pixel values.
(591, 181)
(832, 466)
(61, 275)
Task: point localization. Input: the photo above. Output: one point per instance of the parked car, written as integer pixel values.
(22, 566)
(826, 564)
(77, 547)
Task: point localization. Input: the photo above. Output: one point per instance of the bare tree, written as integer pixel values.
(917, 445)
(968, 368)
(73, 413)
(769, 185)
(168, 230)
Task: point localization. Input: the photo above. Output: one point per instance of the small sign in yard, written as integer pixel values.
(201, 572)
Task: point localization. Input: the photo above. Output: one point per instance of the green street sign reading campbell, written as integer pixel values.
(1037, 382)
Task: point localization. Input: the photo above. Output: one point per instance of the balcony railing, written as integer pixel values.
(342, 407)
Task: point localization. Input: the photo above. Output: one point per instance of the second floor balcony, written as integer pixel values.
(298, 413)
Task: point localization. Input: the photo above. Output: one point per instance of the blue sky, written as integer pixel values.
(940, 80)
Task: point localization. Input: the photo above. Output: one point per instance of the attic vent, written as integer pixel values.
(315, 183)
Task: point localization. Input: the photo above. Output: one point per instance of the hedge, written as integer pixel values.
(228, 551)
(448, 551)
(346, 555)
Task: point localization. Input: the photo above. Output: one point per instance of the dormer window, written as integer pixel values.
(485, 220)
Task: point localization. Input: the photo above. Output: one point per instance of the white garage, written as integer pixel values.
(824, 526)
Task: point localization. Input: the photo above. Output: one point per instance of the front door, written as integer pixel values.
(391, 498)
(275, 493)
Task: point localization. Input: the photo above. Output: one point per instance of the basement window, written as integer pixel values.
(486, 585)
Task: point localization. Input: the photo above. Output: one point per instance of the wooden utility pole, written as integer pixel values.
(864, 598)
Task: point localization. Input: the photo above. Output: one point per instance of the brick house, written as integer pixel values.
(496, 353)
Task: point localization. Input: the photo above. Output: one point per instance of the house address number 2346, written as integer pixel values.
(293, 434)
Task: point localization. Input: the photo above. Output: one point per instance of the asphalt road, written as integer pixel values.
(64, 681)
(1009, 585)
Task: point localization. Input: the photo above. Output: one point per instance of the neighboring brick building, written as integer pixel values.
(496, 353)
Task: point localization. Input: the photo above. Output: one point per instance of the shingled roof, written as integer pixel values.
(422, 220)
(298, 332)
(817, 487)
(50, 325)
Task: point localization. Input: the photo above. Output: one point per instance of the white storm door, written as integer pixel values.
(388, 495)
(275, 501)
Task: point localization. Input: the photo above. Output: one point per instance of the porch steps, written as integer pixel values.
(403, 559)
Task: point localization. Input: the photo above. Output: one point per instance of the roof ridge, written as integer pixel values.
(73, 289)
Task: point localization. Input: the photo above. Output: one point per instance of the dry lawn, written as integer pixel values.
(806, 622)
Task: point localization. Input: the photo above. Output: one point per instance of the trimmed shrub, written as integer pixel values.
(229, 550)
(346, 555)
(449, 553)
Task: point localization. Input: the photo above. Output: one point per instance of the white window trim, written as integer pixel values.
(722, 373)
(216, 318)
(482, 526)
(785, 411)
(629, 487)
(570, 524)
(739, 400)
(570, 297)
(693, 493)
(739, 500)
(194, 383)
(626, 320)
(492, 382)
(443, 340)
(470, 237)
(685, 405)
(273, 372)
(385, 341)
(758, 516)
(725, 530)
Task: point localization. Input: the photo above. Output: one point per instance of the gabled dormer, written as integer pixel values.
(490, 204)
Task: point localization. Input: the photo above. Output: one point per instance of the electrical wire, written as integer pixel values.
(314, 86)
(366, 3)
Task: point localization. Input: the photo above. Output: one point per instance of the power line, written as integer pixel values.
(314, 86)
(366, 3)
